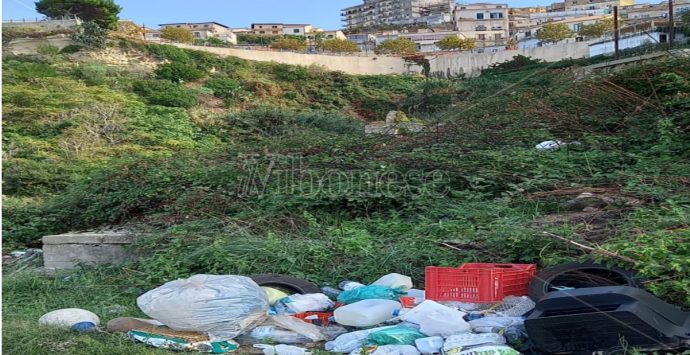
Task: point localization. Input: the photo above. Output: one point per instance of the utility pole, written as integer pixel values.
(615, 31)
(671, 27)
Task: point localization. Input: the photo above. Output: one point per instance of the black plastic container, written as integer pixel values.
(605, 318)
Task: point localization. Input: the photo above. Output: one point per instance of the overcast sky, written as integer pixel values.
(233, 13)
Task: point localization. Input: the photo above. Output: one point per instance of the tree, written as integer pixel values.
(91, 35)
(102, 12)
(338, 46)
(293, 44)
(398, 46)
(554, 32)
(451, 43)
(685, 17)
(597, 29)
(177, 34)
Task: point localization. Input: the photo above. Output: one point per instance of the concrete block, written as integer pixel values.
(67, 251)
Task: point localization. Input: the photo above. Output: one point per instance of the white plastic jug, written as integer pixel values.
(348, 342)
(366, 313)
(436, 319)
(395, 281)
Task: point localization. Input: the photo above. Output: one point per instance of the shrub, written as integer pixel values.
(293, 44)
(398, 46)
(165, 93)
(224, 88)
(91, 35)
(91, 73)
(176, 34)
(290, 73)
(70, 49)
(338, 46)
(47, 49)
(178, 72)
(171, 53)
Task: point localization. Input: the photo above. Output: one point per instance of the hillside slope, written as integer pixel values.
(228, 166)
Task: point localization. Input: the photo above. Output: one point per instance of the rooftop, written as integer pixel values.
(193, 23)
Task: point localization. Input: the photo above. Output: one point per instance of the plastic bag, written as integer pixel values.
(436, 319)
(348, 342)
(456, 343)
(373, 292)
(281, 349)
(394, 281)
(395, 336)
(312, 302)
(221, 305)
(387, 350)
(297, 325)
(488, 350)
(274, 295)
(283, 329)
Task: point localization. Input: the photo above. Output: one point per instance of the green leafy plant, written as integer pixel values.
(91, 35)
(177, 34)
(102, 12)
(165, 93)
(178, 72)
(398, 46)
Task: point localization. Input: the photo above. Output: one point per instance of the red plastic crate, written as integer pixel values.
(478, 282)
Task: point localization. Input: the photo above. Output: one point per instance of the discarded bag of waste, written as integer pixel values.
(281, 349)
(487, 350)
(386, 350)
(395, 336)
(394, 281)
(348, 342)
(221, 305)
(297, 303)
(74, 318)
(436, 319)
(283, 329)
(372, 292)
(181, 342)
(513, 328)
(430, 345)
(457, 343)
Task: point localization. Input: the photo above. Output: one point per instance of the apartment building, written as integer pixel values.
(654, 11)
(487, 23)
(398, 12)
(279, 29)
(574, 5)
(203, 30)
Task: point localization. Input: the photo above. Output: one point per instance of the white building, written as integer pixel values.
(487, 23)
(203, 30)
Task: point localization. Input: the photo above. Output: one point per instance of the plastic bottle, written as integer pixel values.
(348, 342)
(330, 291)
(366, 313)
(430, 345)
(349, 285)
(395, 281)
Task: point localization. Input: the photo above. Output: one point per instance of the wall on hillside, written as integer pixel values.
(29, 46)
(471, 64)
(42, 25)
(347, 64)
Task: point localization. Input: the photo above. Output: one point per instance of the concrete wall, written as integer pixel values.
(43, 25)
(607, 47)
(29, 46)
(347, 64)
(471, 64)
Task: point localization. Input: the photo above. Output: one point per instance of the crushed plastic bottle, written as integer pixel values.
(348, 342)
(395, 281)
(366, 313)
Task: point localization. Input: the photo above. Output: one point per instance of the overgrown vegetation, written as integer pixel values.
(222, 165)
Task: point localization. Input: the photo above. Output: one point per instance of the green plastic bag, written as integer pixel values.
(395, 336)
(373, 292)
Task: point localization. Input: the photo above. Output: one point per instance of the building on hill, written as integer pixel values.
(654, 11)
(280, 29)
(487, 23)
(574, 5)
(205, 30)
(373, 13)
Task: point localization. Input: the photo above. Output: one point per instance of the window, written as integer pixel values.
(275, 32)
(481, 37)
(274, 26)
(496, 15)
(480, 15)
(497, 37)
(262, 32)
(197, 34)
(195, 26)
(296, 30)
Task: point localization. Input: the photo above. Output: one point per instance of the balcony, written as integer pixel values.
(480, 28)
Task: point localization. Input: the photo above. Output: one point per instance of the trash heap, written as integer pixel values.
(469, 310)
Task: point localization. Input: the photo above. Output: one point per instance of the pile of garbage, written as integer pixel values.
(220, 313)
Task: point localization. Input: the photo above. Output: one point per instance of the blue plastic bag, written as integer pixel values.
(373, 292)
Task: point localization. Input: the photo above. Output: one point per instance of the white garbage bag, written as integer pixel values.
(221, 305)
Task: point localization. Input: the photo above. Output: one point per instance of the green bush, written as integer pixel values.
(224, 88)
(164, 93)
(47, 49)
(171, 53)
(91, 73)
(91, 35)
(71, 49)
(178, 72)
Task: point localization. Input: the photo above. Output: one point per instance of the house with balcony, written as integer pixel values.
(203, 30)
(373, 13)
(487, 23)
(575, 5)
